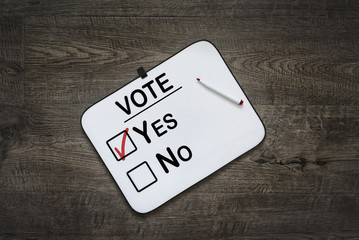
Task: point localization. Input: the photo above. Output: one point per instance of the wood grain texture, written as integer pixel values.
(11, 60)
(297, 61)
(173, 8)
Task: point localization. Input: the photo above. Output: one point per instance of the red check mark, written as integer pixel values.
(122, 153)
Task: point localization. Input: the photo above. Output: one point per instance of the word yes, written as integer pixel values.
(157, 127)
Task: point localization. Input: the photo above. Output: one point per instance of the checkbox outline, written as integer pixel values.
(148, 166)
(128, 136)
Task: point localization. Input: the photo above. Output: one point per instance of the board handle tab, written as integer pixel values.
(141, 72)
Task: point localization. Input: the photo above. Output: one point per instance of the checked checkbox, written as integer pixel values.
(121, 145)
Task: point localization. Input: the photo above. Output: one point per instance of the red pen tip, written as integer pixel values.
(198, 79)
(241, 102)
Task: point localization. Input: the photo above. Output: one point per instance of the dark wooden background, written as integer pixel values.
(298, 62)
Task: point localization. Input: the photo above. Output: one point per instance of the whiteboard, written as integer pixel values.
(161, 134)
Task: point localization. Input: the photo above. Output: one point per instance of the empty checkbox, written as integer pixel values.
(142, 176)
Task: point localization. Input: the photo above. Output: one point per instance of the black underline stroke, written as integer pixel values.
(152, 104)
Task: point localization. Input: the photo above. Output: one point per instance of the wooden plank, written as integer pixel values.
(223, 217)
(276, 62)
(172, 8)
(12, 123)
(11, 60)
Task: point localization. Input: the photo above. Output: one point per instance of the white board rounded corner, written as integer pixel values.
(142, 208)
(83, 118)
(86, 118)
(262, 133)
(204, 42)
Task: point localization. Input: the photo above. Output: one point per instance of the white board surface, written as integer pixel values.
(178, 131)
